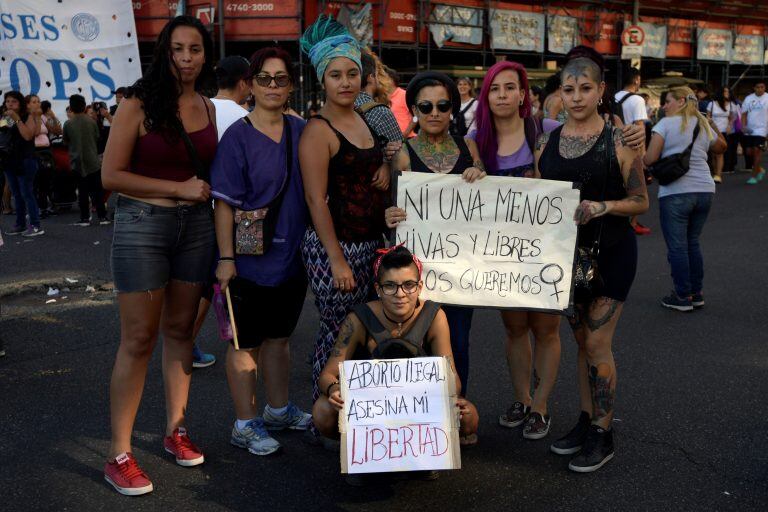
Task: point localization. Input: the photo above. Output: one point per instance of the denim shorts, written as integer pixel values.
(154, 244)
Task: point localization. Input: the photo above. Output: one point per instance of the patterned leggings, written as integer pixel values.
(333, 305)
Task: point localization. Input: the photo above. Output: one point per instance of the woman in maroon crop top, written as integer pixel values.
(164, 238)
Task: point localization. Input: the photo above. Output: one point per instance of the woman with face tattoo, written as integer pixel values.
(592, 152)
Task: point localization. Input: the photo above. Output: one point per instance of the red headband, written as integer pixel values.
(384, 251)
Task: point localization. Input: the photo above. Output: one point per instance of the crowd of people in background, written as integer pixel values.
(238, 193)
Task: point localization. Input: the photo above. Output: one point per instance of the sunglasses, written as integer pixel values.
(426, 107)
(280, 80)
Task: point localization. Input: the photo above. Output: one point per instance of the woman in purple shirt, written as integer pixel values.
(505, 135)
(257, 162)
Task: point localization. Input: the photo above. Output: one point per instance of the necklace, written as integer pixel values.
(397, 332)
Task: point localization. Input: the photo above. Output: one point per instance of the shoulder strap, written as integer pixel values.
(201, 171)
(533, 128)
(693, 140)
(420, 327)
(609, 151)
(372, 325)
(469, 105)
(622, 100)
(367, 106)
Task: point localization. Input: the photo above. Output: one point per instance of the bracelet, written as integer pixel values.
(226, 258)
(328, 389)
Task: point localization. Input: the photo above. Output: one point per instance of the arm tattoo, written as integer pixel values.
(542, 141)
(479, 164)
(610, 305)
(602, 394)
(576, 146)
(618, 137)
(346, 332)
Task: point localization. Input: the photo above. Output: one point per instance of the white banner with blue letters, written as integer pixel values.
(56, 48)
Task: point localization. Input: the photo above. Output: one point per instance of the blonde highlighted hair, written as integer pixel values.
(386, 86)
(690, 109)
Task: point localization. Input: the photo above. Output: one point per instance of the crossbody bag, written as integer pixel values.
(675, 166)
(255, 229)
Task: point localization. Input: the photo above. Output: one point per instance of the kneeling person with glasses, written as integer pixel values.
(397, 325)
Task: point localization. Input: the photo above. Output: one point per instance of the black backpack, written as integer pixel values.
(533, 128)
(618, 109)
(410, 344)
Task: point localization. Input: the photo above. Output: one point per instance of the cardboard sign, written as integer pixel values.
(499, 242)
(399, 415)
(516, 30)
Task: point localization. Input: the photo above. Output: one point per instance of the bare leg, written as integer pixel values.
(325, 418)
(580, 333)
(546, 331)
(757, 156)
(202, 313)
(178, 320)
(601, 323)
(241, 377)
(275, 361)
(518, 348)
(719, 160)
(139, 323)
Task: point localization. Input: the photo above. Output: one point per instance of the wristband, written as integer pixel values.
(226, 258)
(328, 389)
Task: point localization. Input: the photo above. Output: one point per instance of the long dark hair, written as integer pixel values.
(22, 103)
(720, 96)
(159, 89)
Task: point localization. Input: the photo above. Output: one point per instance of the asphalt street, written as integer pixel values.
(691, 406)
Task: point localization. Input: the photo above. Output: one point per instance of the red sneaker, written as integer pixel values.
(125, 475)
(641, 230)
(179, 445)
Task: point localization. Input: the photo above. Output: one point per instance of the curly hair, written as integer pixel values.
(160, 88)
(22, 104)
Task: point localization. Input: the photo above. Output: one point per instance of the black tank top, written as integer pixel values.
(416, 333)
(590, 170)
(462, 163)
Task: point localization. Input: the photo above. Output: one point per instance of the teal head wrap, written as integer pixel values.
(327, 39)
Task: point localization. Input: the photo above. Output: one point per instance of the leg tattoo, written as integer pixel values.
(536, 380)
(602, 394)
(595, 323)
(577, 320)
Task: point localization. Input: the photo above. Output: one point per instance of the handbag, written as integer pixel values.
(255, 229)
(673, 167)
(585, 271)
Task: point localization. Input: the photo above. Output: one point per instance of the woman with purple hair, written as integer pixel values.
(505, 135)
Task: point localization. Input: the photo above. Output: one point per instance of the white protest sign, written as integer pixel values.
(499, 242)
(56, 49)
(399, 415)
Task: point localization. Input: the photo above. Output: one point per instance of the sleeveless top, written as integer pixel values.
(590, 170)
(415, 335)
(462, 163)
(162, 154)
(357, 209)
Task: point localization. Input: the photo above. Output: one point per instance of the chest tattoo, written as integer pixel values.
(576, 146)
(440, 157)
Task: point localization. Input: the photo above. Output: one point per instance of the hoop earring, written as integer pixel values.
(521, 104)
(600, 101)
(415, 119)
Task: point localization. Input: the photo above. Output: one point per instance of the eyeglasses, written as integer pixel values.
(426, 107)
(390, 288)
(280, 80)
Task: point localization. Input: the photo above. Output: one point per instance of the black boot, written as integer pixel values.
(597, 450)
(573, 440)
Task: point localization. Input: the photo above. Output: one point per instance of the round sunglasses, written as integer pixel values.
(426, 107)
(280, 80)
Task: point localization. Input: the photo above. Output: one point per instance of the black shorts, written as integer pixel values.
(752, 141)
(616, 266)
(266, 312)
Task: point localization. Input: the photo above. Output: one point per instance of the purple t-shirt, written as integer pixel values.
(520, 163)
(247, 173)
